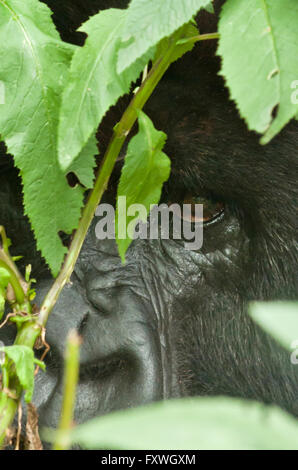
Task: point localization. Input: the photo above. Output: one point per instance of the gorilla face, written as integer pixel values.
(172, 322)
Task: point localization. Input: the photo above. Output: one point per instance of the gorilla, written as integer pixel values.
(171, 322)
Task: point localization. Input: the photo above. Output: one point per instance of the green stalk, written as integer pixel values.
(14, 281)
(30, 331)
(26, 336)
(71, 375)
(5, 240)
(8, 409)
(119, 136)
(203, 37)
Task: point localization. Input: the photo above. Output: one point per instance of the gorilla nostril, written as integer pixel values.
(103, 300)
(102, 290)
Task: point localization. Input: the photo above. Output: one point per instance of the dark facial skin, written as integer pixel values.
(173, 322)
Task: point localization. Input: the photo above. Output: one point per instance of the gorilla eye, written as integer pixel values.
(212, 208)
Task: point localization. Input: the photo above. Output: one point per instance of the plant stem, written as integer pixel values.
(26, 336)
(29, 332)
(16, 280)
(71, 374)
(207, 37)
(204, 37)
(15, 283)
(120, 133)
(5, 240)
(200, 37)
(8, 410)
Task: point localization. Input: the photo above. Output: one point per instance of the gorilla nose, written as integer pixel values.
(102, 288)
(120, 362)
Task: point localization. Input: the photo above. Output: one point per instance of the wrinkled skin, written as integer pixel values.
(173, 322)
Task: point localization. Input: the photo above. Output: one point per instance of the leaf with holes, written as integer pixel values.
(259, 50)
(94, 85)
(33, 69)
(148, 22)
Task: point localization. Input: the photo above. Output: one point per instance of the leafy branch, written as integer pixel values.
(42, 111)
(71, 374)
(121, 131)
(29, 331)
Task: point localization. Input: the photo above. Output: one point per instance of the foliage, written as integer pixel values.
(259, 47)
(145, 170)
(53, 97)
(4, 281)
(149, 22)
(94, 85)
(34, 67)
(280, 319)
(200, 423)
(24, 360)
(38, 71)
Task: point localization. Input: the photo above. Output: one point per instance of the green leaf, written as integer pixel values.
(259, 49)
(183, 45)
(33, 69)
(24, 361)
(280, 319)
(19, 320)
(17, 258)
(94, 85)
(4, 281)
(4, 277)
(83, 166)
(2, 301)
(210, 8)
(40, 364)
(149, 22)
(201, 423)
(145, 170)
